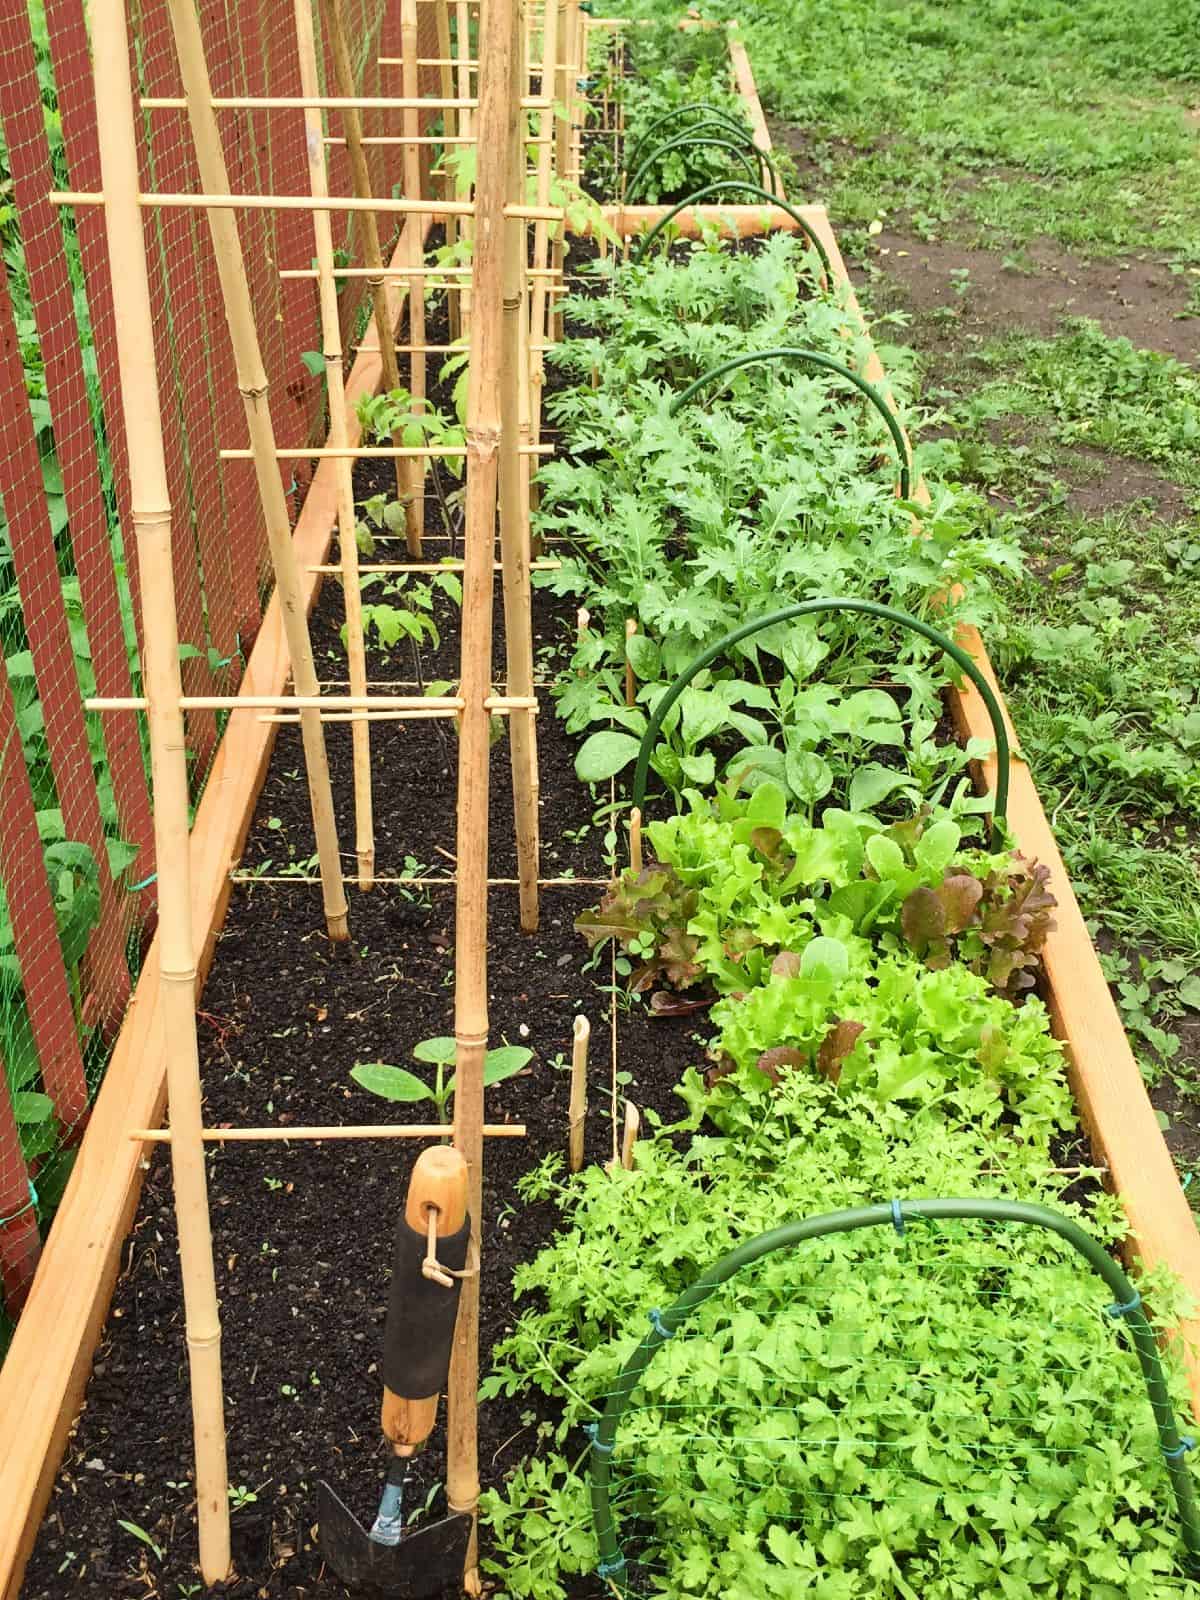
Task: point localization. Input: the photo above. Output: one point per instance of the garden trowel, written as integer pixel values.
(432, 1236)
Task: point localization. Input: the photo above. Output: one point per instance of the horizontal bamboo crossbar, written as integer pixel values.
(334, 571)
(327, 102)
(284, 717)
(376, 452)
(421, 883)
(307, 202)
(402, 139)
(318, 702)
(381, 1130)
(408, 272)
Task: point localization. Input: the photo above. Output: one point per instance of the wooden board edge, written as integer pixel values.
(1106, 1081)
(45, 1374)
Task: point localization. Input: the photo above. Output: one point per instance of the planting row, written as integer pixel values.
(940, 1411)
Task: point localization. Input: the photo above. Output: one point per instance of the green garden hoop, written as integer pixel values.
(644, 240)
(1127, 1306)
(710, 113)
(696, 139)
(812, 358)
(812, 608)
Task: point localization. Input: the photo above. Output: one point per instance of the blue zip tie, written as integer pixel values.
(592, 1429)
(1185, 1444)
(133, 888)
(610, 1569)
(897, 1218)
(1121, 1307)
(659, 1326)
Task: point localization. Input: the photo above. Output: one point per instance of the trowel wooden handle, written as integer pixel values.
(421, 1313)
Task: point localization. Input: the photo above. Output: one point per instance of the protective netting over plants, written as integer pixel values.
(939, 1402)
(77, 869)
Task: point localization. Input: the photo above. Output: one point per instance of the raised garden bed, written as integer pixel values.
(304, 1265)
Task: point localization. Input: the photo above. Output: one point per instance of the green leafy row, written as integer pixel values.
(780, 486)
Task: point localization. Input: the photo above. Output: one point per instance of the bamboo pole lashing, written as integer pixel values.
(318, 177)
(514, 530)
(253, 384)
(366, 226)
(151, 522)
(336, 1131)
(577, 1114)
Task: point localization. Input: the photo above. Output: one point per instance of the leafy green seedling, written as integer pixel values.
(398, 1084)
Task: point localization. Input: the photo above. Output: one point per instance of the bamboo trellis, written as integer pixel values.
(504, 311)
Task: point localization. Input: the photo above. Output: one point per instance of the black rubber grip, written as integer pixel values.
(421, 1314)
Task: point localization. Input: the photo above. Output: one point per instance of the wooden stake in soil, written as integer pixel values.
(577, 1115)
(151, 516)
(366, 227)
(514, 531)
(631, 629)
(252, 382)
(635, 838)
(499, 119)
(633, 1124)
(364, 827)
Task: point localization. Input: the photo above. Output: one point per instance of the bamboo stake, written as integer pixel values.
(538, 328)
(318, 176)
(498, 120)
(563, 90)
(151, 517)
(577, 1116)
(366, 227)
(336, 1131)
(514, 534)
(253, 384)
(414, 470)
(635, 839)
(462, 48)
(631, 629)
(450, 135)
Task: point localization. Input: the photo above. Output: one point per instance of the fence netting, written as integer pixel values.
(77, 869)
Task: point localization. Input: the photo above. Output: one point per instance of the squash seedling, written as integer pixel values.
(398, 1084)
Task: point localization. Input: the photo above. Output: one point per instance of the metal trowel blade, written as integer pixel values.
(425, 1562)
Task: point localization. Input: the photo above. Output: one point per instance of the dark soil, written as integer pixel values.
(302, 1233)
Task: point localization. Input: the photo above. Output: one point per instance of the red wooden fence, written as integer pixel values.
(69, 611)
